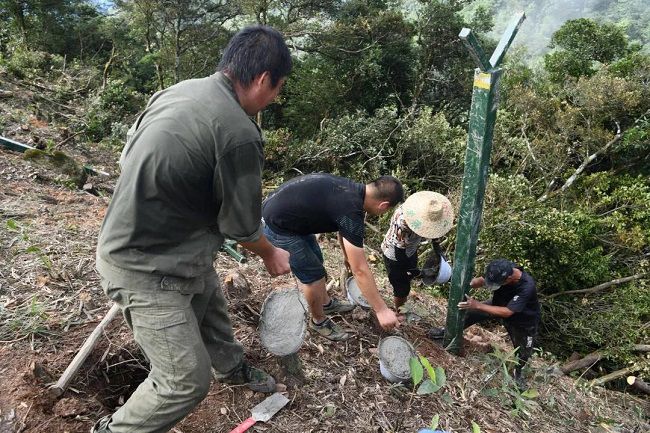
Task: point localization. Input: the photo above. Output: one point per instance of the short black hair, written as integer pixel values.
(253, 51)
(388, 188)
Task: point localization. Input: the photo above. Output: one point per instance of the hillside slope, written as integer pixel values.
(50, 302)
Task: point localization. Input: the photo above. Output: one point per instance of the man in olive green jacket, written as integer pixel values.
(191, 176)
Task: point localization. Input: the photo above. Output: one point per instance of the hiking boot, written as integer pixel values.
(329, 330)
(254, 378)
(436, 333)
(337, 306)
(101, 426)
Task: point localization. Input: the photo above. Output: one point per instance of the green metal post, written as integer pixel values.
(230, 247)
(482, 118)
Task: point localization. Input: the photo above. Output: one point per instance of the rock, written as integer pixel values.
(69, 407)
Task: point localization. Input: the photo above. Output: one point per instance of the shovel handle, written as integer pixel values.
(241, 428)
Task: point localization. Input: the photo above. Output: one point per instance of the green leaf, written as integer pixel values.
(11, 225)
(33, 249)
(427, 365)
(447, 398)
(441, 377)
(434, 422)
(417, 373)
(330, 411)
(475, 428)
(428, 387)
(490, 392)
(530, 393)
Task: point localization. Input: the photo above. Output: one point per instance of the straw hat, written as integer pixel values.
(428, 214)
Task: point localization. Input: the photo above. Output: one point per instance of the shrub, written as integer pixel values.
(111, 105)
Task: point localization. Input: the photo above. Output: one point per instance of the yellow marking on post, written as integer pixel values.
(482, 81)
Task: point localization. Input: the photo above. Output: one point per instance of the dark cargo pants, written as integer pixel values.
(183, 328)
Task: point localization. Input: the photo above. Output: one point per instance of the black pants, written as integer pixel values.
(522, 337)
(398, 272)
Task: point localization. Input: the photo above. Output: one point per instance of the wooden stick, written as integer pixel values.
(615, 375)
(59, 388)
(599, 287)
(587, 361)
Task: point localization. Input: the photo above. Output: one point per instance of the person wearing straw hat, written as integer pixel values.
(424, 215)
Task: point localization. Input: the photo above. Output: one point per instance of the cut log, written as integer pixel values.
(59, 388)
(614, 375)
(639, 384)
(585, 362)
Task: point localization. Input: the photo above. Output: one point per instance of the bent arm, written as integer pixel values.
(503, 312)
(363, 275)
(275, 259)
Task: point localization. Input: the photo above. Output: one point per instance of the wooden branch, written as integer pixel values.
(587, 361)
(588, 160)
(641, 348)
(59, 388)
(599, 287)
(614, 375)
(638, 383)
(372, 227)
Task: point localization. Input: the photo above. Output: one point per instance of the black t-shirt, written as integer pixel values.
(317, 203)
(521, 298)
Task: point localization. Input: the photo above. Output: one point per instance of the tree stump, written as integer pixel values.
(236, 286)
(291, 369)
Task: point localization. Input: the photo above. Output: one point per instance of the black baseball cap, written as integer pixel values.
(497, 272)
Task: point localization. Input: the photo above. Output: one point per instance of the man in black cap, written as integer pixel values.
(514, 300)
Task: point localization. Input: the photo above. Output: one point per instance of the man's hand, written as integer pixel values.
(469, 304)
(275, 259)
(277, 262)
(477, 282)
(387, 319)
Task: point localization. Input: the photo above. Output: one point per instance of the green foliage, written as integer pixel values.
(507, 391)
(28, 320)
(613, 320)
(436, 376)
(582, 42)
(109, 107)
(542, 238)
(31, 248)
(27, 63)
(435, 421)
(421, 147)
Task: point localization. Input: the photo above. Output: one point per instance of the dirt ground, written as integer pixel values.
(50, 301)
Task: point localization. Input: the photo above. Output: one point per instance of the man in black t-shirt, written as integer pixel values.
(323, 203)
(514, 300)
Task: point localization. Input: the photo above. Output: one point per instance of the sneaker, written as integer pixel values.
(436, 333)
(329, 330)
(337, 306)
(101, 426)
(254, 378)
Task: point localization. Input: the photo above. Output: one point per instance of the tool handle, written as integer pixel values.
(241, 428)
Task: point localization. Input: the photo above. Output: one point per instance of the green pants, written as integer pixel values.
(183, 328)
